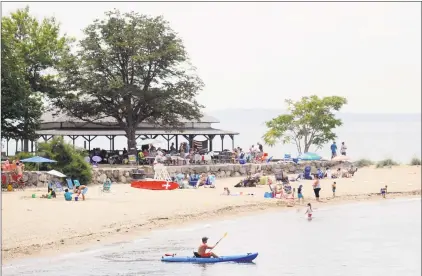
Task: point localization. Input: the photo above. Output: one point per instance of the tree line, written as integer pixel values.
(129, 67)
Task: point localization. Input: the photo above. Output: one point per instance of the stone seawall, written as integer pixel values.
(123, 174)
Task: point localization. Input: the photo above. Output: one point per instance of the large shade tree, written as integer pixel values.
(29, 48)
(309, 121)
(132, 68)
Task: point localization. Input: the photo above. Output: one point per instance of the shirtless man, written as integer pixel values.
(203, 247)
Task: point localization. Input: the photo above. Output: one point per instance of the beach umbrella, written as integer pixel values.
(150, 142)
(341, 158)
(309, 156)
(38, 160)
(56, 173)
(96, 159)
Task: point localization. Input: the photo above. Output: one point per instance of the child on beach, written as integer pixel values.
(67, 195)
(384, 191)
(309, 211)
(226, 191)
(299, 194)
(334, 186)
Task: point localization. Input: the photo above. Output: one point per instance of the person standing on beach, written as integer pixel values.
(260, 147)
(299, 194)
(343, 149)
(334, 186)
(317, 188)
(333, 150)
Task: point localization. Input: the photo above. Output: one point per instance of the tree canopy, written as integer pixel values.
(132, 68)
(309, 121)
(29, 48)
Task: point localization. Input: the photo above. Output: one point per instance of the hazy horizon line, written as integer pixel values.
(282, 110)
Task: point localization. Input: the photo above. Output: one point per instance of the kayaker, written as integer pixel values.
(203, 248)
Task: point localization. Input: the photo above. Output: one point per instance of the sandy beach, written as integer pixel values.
(35, 226)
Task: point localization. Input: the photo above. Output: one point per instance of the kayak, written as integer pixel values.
(248, 257)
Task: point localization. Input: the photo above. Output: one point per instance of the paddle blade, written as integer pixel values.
(225, 235)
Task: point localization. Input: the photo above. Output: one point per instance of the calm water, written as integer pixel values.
(381, 238)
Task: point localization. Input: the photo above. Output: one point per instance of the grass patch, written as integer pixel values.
(387, 163)
(415, 161)
(363, 163)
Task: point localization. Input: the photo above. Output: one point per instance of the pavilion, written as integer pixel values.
(62, 125)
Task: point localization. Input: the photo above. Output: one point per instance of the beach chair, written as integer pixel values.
(179, 180)
(3, 182)
(287, 157)
(210, 180)
(307, 173)
(76, 182)
(57, 187)
(69, 183)
(106, 187)
(193, 180)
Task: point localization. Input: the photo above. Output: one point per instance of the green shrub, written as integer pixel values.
(363, 163)
(387, 163)
(415, 161)
(70, 161)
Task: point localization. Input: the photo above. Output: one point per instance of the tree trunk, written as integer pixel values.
(131, 140)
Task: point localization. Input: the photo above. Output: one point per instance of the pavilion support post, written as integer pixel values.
(73, 137)
(167, 138)
(190, 138)
(7, 146)
(17, 143)
(232, 136)
(111, 141)
(210, 138)
(22, 147)
(89, 139)
(177, 142)
(222, 141)
(32, 146)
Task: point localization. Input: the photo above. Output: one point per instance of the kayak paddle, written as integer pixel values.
(225, 235)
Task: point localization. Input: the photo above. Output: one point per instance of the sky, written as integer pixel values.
(256, 55)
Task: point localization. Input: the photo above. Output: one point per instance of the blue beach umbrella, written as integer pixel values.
(309, 156)
(38, 160)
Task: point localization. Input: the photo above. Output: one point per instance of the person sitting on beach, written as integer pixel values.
(203, 248)
(226, 191)
(50, 192)
(328, 173)
(67, 195)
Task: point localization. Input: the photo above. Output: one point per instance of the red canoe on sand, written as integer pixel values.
(153, 184)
